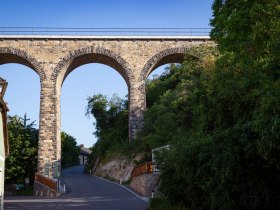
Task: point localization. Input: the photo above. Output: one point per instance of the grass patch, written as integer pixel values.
(127, 183)
(25, 192)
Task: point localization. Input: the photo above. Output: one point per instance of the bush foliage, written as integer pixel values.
(23, 142)
(69, 150)
(228, 156)
(220, 112)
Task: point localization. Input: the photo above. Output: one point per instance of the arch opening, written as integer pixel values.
(177, 58)
(16, 56)
(90, 55)
(96, 59)
(23, 98)
(82, 80)
(23, 92)
(172, 55)
(10, 58)
(80, 59)
(161, 64)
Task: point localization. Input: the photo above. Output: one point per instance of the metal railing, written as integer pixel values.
(46, 181)
(105, 31)
(145, 168)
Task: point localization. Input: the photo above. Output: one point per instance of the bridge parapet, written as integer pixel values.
(105, 31)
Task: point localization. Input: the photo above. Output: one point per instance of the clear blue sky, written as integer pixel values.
(24, 87)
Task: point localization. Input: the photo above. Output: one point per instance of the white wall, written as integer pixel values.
(2, 162)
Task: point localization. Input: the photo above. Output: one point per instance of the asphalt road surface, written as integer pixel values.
(84, 193)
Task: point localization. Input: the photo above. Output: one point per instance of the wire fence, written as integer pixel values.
(105, 31)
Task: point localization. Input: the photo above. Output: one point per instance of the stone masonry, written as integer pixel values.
(53, 58)
(145, 184)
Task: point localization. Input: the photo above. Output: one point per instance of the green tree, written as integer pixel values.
(229, 159)
(23, 141)
(251, 64)
(111, 122)
(171, 106)
(69, 150)
(246, 102)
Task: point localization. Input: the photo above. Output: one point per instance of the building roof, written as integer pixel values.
(85, 151)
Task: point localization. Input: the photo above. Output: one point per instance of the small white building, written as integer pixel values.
(84, 153)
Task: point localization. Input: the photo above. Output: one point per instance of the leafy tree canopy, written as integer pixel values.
(69, 150)
(23, 141)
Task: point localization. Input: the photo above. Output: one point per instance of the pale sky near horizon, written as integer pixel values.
(23, 91)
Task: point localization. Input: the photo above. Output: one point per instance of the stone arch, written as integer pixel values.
(78, 58)
(91, 55)
(171, 55)
(13, 55)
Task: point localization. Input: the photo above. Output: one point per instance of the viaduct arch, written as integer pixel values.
(54, 57)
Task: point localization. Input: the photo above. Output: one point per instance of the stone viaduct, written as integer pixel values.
(55, 57)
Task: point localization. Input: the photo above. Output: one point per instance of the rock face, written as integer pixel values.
(118, 170)
(145, 184)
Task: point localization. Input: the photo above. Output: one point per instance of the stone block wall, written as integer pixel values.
(53, 58)
(145, 184)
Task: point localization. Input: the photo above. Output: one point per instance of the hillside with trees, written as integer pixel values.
(220, 112)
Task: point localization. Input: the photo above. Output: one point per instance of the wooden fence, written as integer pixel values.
(46, 181)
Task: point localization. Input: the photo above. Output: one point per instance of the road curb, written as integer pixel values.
(143, 198)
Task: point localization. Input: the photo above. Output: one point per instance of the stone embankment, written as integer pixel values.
(145, 184)
(120, 169)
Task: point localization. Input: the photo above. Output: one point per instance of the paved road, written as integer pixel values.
(85, 193)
